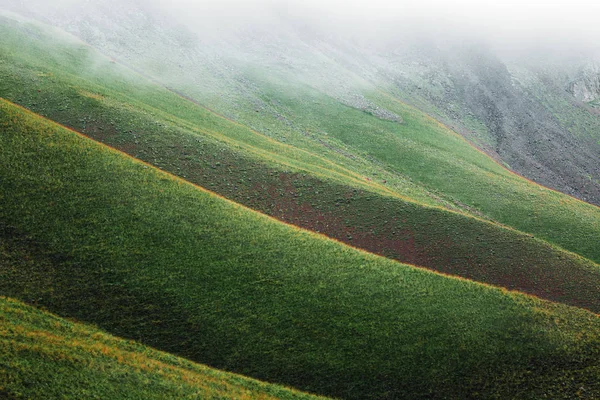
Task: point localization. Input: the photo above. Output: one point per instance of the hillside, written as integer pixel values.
(92, 234)
(524, 109)
(44, 356)
(321, 189)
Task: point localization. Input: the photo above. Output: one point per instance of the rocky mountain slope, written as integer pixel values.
(586, 85)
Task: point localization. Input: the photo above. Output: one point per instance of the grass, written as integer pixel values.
(44, 356)
(420, 159)
(432, 156)
(92, 234)
(398, 219)
(59, 72)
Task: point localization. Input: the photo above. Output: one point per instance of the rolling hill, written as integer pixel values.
(288, 206)
(527, 109)
(443, 205)
(90, 233)
(44, 356)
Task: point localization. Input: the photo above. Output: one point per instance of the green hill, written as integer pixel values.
(43, 356)
(415, 218)
(92, 234)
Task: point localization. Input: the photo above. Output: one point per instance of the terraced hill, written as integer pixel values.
(437, 208)
(92, 234)
(44, 356)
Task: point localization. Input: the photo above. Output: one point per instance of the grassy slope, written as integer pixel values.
(91, 234)
(440, 160)
(345, 209)
(61, 64)
(43, 356)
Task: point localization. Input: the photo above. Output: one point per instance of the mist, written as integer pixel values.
(510, 25)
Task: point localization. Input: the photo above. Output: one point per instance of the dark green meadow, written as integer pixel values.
(43, 356)
(91, 234)
(317, 189)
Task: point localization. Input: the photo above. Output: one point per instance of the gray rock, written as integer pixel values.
(586, 87)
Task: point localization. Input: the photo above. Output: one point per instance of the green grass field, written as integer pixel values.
(441, 161)
(43, 356)
(92, 234)
(319, 190)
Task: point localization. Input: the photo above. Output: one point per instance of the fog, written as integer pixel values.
(508, 24)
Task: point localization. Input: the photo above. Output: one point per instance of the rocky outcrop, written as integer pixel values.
(586, 87)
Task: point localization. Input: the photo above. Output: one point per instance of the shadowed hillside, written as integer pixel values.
(44, 356)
